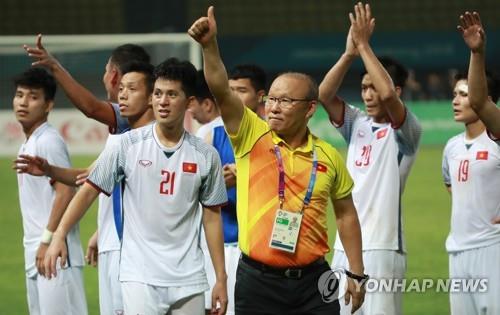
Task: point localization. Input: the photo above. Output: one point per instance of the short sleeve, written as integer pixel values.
(213, 189)
(54, 150)
(121, 123)
(250, 130)
(110, 165)
(408, 134)
(342, 182)
(345, 127)
(445, 168)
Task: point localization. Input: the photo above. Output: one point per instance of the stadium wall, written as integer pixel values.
(86, 136)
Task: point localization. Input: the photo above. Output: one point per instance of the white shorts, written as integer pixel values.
(62, 295)
(144, 299)
(478, 263)
(232, 255)
(110, 291)
(379, 264)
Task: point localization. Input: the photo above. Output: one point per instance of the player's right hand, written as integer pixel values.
(41, 56)
(33, 165)
(92, 251)
(204, 29)
(56, 249)
(472, 31)
(362, 24)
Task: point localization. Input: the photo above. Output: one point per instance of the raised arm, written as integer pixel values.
(350, 235)
(332, 80)
(362, 25)
(475, 38)
(75, 211)
(82, 98)
(204, 31)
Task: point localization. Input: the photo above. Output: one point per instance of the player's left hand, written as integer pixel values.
(496, 220)
(355, 294)
(40, 255)
(219, 298)
(362, 24)
(472, 31)
(82, 178)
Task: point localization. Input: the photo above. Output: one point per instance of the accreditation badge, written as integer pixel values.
(286, 230)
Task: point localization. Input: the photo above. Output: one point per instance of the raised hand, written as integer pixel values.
(33, 165)
(350, 47)
(362, 24)
(41, 56)
(472, 31)
(204, 29)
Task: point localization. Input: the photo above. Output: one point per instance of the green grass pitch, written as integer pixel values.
(426, 213)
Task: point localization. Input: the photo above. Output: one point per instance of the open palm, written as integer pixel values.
(472, 31)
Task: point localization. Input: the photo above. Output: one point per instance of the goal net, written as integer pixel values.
(85, 57)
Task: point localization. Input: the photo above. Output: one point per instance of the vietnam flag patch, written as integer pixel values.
(189, 167)
(322, 168)
(482, 155)
(381, 133)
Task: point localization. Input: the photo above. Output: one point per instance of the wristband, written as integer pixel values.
(46, 236)
(356, 277)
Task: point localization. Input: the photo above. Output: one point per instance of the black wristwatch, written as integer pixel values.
(358, 278)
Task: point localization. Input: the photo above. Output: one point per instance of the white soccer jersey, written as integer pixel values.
(207, 128)
(379, 159)
(36, 196)
(473, 171)
(162, 220)
(108, 235)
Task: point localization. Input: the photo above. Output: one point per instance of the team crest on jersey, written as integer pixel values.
(119, 312)
(361, 133)
(189, 167)
(145, 163)
(381, 133)
(482, 155)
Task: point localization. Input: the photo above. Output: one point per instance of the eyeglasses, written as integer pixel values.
(283, 102)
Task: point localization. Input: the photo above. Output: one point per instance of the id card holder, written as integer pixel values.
(286, 230)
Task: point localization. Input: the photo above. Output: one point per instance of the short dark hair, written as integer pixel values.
(126, 53)
(397, 72)
(176, 70)
(254, 73)
(141, 67)
(492, 81)
(202, 91)
(38, 78)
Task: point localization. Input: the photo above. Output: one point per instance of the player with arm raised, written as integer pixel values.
(382, 145)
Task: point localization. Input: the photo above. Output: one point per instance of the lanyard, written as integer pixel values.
(281, 182)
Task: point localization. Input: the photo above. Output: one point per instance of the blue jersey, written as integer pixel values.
(223, 146)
